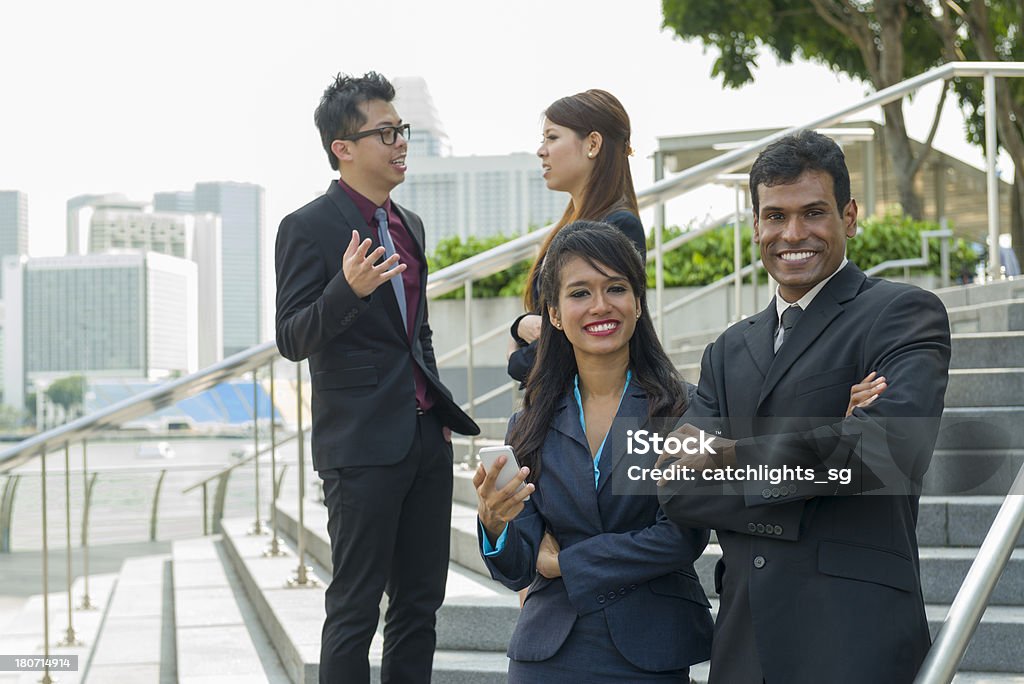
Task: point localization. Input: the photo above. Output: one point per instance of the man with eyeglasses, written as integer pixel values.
(351, 284)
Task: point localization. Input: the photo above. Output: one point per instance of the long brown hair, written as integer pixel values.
(606, 248)
(610, 185)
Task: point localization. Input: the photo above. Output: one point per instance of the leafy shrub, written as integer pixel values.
(709, 257)
(508, 283)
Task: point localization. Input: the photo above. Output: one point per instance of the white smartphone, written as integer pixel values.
(488, 456)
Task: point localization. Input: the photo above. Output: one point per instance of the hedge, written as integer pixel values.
(709, 257)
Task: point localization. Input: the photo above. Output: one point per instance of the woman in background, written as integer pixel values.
(585, 152)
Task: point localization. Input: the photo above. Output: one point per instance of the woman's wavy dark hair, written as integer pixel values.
(609, 251)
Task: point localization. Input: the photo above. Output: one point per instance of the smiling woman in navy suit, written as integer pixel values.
(612, 591)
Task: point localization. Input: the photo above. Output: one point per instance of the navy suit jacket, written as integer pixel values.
(818, 584)
(619, 554)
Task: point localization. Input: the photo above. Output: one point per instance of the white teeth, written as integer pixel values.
(795, 256)
(603, 327)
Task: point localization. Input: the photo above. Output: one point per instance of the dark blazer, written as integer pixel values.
(817, 585)
(364, 404)
(619, 555)
(521, 360)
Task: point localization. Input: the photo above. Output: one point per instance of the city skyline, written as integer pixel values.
(136, 102)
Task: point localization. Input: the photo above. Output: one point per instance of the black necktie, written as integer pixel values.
(789, 318)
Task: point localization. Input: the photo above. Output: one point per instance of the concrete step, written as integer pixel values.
(987, 350)
(957, 521)
(997, 645)
(978, 387)
(984, 293)
(698, 339)
(976, 428)
(981, 472)
(469, 584)
(473, 625)
(943, 571)
(997, 316)
(217, 632)
(687, 354)
(136, 643)
(24, 633)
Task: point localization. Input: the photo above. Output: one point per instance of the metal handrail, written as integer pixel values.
(970, 603)
(138, 406)
(241, 462)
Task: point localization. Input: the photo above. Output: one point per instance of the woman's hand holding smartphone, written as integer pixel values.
(501, 489)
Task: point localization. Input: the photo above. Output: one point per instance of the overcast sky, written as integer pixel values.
(137, 97)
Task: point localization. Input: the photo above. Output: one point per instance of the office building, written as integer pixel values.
(196, 237)
(13, 225)
(130, 315)
(245, 260)
(79, 216)
(482, 196)
(416, 107)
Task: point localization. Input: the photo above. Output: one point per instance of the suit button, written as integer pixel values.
(792, 489)
(766, 493)
(600, 599)
(612, 595)
(759, 562)
(751, 527)
(632, 587)
(778, 529)
(760, 528)
(775, 492)
(622, 591)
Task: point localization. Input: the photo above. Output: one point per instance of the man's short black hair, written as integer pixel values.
(785, 160)
(338, 113)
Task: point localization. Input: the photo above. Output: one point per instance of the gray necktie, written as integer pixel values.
(389, 248)
(789, 318)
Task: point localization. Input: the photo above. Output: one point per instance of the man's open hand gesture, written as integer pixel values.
(358, 266)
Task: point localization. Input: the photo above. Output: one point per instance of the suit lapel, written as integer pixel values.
(632, 415)
(577, 463)
(353, 219)
(825, 307)
(758, 337)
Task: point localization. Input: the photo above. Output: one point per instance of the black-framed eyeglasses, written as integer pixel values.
(388, 134)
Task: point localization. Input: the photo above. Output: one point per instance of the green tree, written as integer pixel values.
(991, 31)
(881, 42)
(66, 392)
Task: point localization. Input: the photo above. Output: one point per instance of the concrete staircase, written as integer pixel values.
(217, 609)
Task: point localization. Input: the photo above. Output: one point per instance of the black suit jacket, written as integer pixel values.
(360, 357)
(818, 584)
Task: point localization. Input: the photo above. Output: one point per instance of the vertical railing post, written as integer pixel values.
(991, 177)
(659, 265)
(70, 639)
(275, 543)
(303, 573)
(206, 524)
(155, 512)
(470, 390)
(737, 258)
(46, 575)
(86, 603)
(257, 527)
(659, 280)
